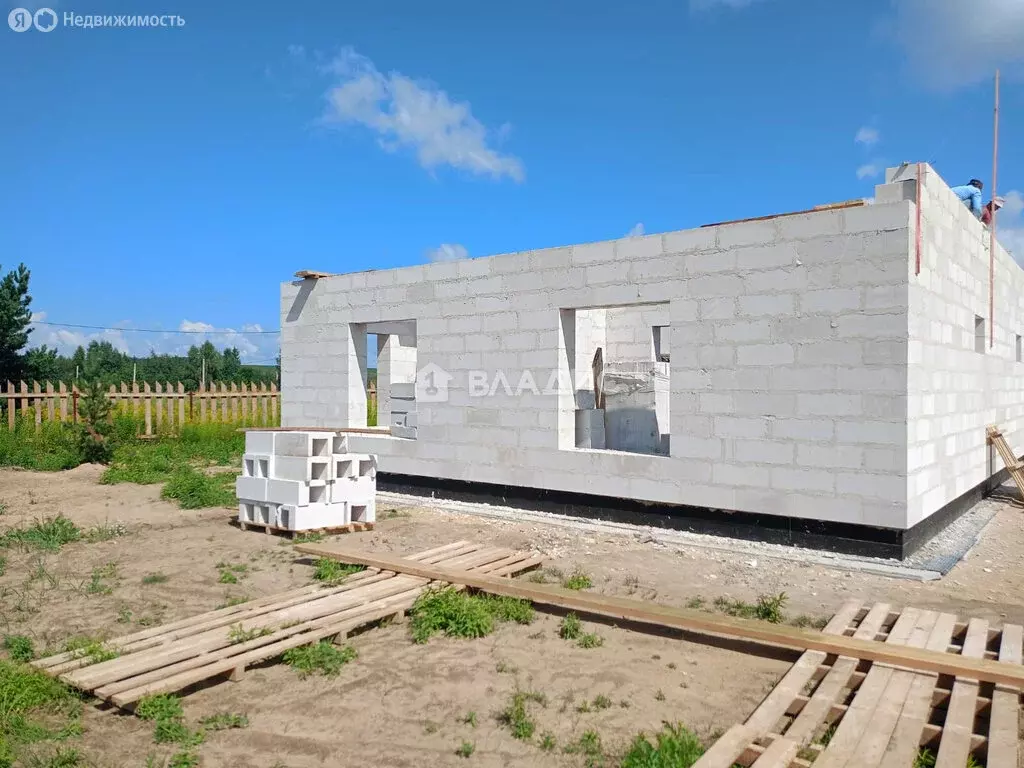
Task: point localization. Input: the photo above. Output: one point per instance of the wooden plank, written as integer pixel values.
(1003, 724)
(769, 217)
(245, 403)
(955, 745)
(311, 274)
(37, 405)
(11, 406)
(63, 392)
(274, 404)
(201, 394)
(50, 407)
(696, 621)
(234, 402)
(24, 399)
(778, 755)
(905, 741)
(181, 405)
(851, 728)
(778, 700)
(729, 746)
(883, 720)
(835, 681)
(224, 403)
(147, 408)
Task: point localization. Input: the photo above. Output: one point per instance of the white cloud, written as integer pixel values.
(950, 44)
(867, 136)
(260, 348)
(414, 114)
(448, 252)
(868, 170)
(637, 230)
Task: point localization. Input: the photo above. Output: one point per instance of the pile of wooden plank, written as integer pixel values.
(224, 642)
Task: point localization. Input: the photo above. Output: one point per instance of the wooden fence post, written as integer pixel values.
(274, 405)
(146, 403)
(24, 399)
(181, 405)
(245, 403)
(50, 405)
(11, 406)
(224, 402)
(202, 402)
(169, 395)
(63, 391)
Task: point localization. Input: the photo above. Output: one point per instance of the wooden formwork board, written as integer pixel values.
(175, 656)
(288, 533)
(1013, 464)
(834, 711)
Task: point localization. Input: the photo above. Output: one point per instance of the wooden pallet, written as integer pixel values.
(187, 652)
(273, 529)
(1013, 464)
(834, 712)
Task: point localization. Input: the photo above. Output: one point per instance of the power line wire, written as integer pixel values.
(149, 330)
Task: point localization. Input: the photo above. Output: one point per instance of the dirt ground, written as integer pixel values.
(401, 704)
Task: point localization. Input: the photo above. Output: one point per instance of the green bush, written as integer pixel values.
(19, 648)
(54, 448)
(319, 658)
(195, 490)
(49, 534)
(675, 747)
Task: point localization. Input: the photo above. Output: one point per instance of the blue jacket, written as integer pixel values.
(971, 197)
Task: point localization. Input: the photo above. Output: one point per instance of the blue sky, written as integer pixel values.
(171, 178)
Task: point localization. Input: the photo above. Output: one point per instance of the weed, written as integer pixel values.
(457, 614)
(571, 627)
(826, 737)
(222, 721)
(174, 731)
(769, 607)
(516, 718)
(583, 707)
(239, 634)
(547, 741)
(183, 759)
(90, 648)
(146, 621)
(590, 640)
(193, 489)
(3, 508)
(160, 707)
(105, 532)
(227, 577)
(503, 666)
(578, 579)
(49, 534)
(391, 514)
(322, 658)
(25, 693)
(465, 749)
(602, 702)
(625, 704)
(470, 719)
(97, 581)
(124, 614)
(589, 745)
(675, 747)
(332, 572)
(19, 648)
(671, 665)
(925, 759)
(3, 565)
(155, 578)
(230, 600)
(431, 727)
(659, 695)
(306, 538)
(696, 603)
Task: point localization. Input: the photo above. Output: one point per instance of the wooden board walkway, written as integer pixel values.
(834, 711)
(184, 653)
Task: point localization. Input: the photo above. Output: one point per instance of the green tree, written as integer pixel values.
(94, 408)
(43, 364)
(231, 364)
(15, 317)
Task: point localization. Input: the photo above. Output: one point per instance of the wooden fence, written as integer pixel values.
(160, 407)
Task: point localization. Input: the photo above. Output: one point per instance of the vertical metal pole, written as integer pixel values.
(992, 227)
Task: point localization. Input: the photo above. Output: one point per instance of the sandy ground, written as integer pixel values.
(401, 704)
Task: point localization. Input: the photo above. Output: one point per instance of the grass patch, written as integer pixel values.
(230, 600)
(90, 648)
(176, 732)
(97, 581)
(163, 706)
(193, 489)
(767, 608)
(106, 532)
(26, 694)
(674, 747)
(239, 634)
(54, 448)
(465, 749)
(229, 573)
(571, 627)
(304, 538)
(156, 461)
(516, 716)
(3, 565)
(49, 535)
(19, 648)
(925, 759)
(590, 640)
(332, 572)
(458, 614)
(319, 658)
(696, 603)
(547, 741)
(588, 745)
(578, 579)
(470, 719)
(223, 721)
(155, 578)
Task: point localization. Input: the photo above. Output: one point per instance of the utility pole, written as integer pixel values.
(204, 374)
(135, 368)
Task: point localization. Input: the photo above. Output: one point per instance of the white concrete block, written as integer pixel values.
(408, 433)
(251, 488)
(303, 443)
(311, 516)
(304, 469)
(259, 442)
(256, 465)
(363, 513)
(295, 493)
(351, 490)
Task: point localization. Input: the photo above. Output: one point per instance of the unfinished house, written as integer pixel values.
(821, 378)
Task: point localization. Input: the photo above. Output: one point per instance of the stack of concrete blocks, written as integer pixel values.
(300, 481)
(637, 407)
(403, 411)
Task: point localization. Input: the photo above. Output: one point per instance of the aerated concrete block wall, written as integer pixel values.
(955, 390)
(788, 364)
